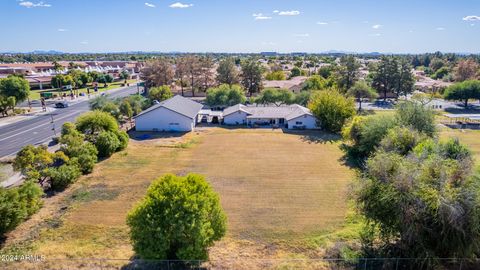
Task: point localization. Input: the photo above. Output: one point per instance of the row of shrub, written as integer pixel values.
(418, 195)
(94, 135)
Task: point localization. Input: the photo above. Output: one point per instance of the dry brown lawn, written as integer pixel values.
(467, 136)
(277, 190)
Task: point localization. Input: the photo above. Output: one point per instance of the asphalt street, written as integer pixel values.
(41, 128)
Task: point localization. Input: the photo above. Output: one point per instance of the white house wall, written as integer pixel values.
(308, 121)
(163, 119)
(236, 118)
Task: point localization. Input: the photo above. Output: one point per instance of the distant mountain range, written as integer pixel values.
(54, 52)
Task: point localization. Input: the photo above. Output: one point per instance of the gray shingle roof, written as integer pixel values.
(287, 112)
(178, 104)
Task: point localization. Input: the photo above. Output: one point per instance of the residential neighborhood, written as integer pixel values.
(239, 135)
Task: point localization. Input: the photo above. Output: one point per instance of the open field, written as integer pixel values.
(467, 136)
(281, 193)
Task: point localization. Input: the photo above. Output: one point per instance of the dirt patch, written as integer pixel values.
(277, 190)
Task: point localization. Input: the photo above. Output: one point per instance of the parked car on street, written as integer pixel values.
(61, 104)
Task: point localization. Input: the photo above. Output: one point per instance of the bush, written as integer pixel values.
(107, 143)
(11, 210)
(63, 176)
(123, 138)
(69, 128)
(225, 95)
(331, 108)
(423, 203)
(179, 218)
(275, 76)
(30, 193)
(364, 134)
(94, 122)
(401, 140)
(17, 204)
(160, 93)
(416, 116)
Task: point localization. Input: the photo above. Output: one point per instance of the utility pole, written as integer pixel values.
(53, 125)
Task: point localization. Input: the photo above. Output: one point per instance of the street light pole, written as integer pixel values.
(53, 125)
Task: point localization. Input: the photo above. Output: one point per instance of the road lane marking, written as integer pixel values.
(44, 124)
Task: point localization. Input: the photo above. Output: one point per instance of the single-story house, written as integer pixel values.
(292, 116)
(295, 84)
(174, 114)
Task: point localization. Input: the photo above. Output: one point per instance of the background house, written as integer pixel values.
(174, 114)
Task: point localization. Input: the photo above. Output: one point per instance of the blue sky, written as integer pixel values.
(397, 26)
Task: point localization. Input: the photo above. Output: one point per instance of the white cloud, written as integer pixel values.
(276, 11)
(289, 13)
(471, 18)
(149, 5)
(375, 35)
(377, 26)
(260, 16)
(85, 42)
(322, 23)
(180, 5)
(62, 30)
(440, 28)
(29, 4)
(302, 35)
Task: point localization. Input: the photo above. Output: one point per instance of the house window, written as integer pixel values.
(281, 121)
(298, 123)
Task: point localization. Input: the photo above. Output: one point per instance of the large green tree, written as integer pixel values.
(331, 108)
(385, 75)
(160, 93)
(275, 96)
(14, 86)
(251, 76)
(179, 218)
(347, 72)
(225, 95)
(314, 82)
(227, 72)
(361, 90)
(406, 81)
(463, 91)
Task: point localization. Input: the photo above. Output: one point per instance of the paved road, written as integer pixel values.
(38, 129)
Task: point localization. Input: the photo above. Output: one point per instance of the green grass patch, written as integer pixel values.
(35, 94)
(99, 192)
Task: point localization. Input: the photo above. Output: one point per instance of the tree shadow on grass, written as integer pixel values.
(314, 136)
(144, 136)
(469, 110)
(163, 265)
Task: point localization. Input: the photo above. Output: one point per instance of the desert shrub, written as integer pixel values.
(400, 140)
(123, 140)
(17, 204)
(421, 204)
(107, 143)
(364, 134)
(416, 116)
(11, 210)
(179, 218)
(61, 177)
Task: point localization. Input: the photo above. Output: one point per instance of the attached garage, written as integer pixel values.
(174, 114)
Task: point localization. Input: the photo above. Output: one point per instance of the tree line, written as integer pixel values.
(94, 135)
